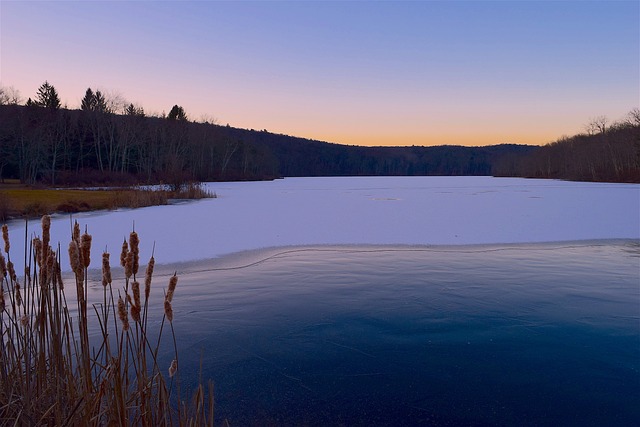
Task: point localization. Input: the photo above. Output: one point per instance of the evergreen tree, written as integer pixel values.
(47, 97)
(101, 102)
(177, 113)
(132, 110)
(89, 101)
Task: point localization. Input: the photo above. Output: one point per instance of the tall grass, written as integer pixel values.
(67, 361)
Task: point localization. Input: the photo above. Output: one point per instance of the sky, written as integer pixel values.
(364, 73)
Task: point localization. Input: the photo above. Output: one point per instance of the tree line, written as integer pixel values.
(110, 141)
(608, 152)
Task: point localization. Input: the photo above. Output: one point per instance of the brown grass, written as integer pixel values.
(17, 201)
(50, 372)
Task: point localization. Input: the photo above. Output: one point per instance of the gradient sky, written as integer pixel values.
(368, 73)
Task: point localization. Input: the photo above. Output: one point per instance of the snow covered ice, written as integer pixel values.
(360, 210)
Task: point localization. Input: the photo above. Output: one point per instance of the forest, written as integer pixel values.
(110, 143)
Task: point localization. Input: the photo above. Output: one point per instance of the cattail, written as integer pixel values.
(17, 296)
(5, 237)
(76, 232)
(1, 297)
(12, 271)
(122, 314)
(168, 310)
(135, 313)
(24, 319)
(173, 368)
(147, 277)
(128, 265)
(85, 246)
(46, 228)
(74, 258)
(134, 309)
(135, 288)
(37, 247)
(172, 287)
(3, 267)
(106, 269)
(134, 243)
(50, 268)
(123, 254)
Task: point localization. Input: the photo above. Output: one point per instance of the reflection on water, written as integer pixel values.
(544, 334)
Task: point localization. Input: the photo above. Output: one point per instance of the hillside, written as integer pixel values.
(76, 147)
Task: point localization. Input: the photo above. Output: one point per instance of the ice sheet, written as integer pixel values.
(359, 210)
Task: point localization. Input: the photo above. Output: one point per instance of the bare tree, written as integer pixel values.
(9, 96)
(597, 125)
(207, 119)
(633, 117)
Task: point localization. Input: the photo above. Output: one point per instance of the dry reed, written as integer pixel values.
(51, 373)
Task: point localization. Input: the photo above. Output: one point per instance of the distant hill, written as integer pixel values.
(76, 147)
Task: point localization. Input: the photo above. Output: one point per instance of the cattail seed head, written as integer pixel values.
(122, 314)
(135, 288)
(17, 294)
(85, 246)
(173, 282)
(106, 269)
(50, 268)
(135, 313)
(24, 320)
(173, 368)
(37, 248)
(123, 253)
(5, 237)
(12, 272)
(1, 297)
(128, 265)
(168, 310)
(147, 277)
(76, 232)
(134, 243)
(46, 228)
(74, 258)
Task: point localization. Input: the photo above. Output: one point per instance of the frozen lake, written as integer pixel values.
(363, 210)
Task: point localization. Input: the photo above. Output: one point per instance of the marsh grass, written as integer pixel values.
(21, 201)
(65, 360)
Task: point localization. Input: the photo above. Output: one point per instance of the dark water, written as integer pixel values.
(545, 334)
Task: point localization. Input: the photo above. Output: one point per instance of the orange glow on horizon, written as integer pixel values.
(462, 139)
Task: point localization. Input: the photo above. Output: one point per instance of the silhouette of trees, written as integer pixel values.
(47, 97)
(605, 153)
(177, 113)
(9, 96)
(94, 102)
(132, 110)
(88, 103)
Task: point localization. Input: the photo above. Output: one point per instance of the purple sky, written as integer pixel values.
(371, 73)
